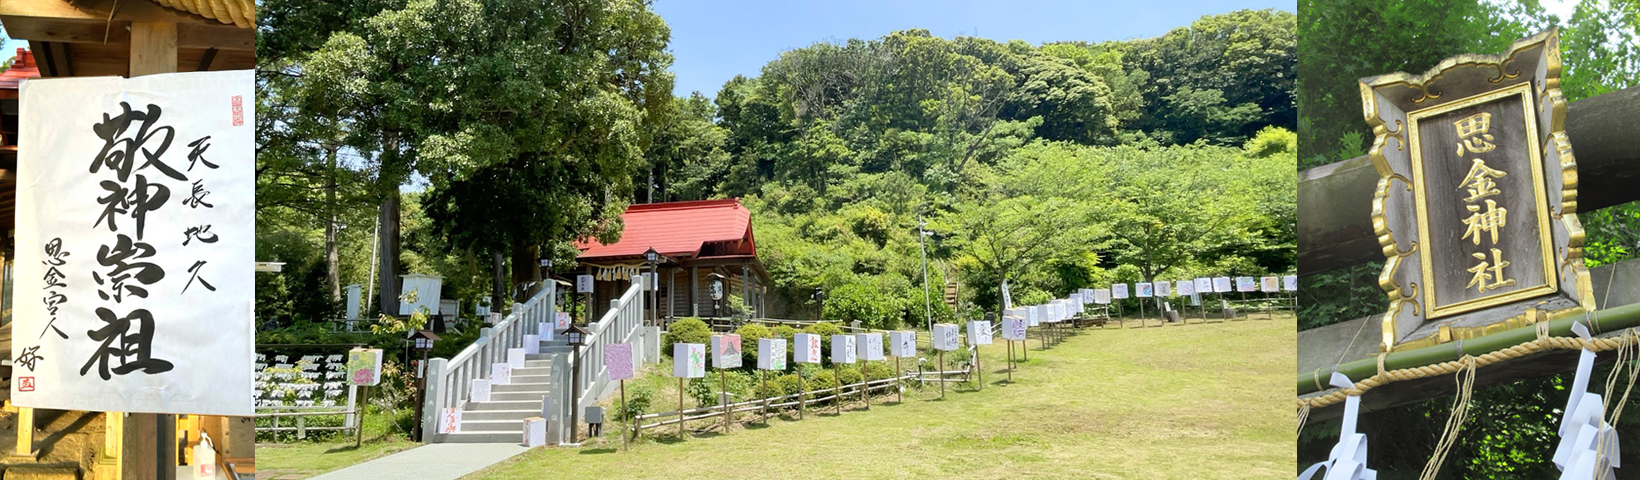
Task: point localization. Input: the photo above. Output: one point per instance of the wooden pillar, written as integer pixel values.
(694, 291)
(147, 449)
(671, 290)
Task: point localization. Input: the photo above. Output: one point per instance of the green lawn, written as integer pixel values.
(298, 460)
(1186, 402)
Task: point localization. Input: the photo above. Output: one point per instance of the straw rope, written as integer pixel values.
(240, 13)
(1454, 423)
(1543, 343)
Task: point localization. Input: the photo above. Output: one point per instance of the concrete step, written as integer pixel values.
(512, 415)
(517, 387)
(536, 363)
(506, 405)
(529, 379)
(531, 371)
(515, 437)
(517, 396)
(513, 426)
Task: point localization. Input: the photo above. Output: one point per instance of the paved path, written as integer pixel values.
(435, 461)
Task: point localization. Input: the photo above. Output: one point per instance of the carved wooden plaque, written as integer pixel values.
(1476, 205)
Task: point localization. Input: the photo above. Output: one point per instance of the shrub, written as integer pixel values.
(877, 370)
(773, 388)
(785, 331)
(789, 384)
(705, 389)
(849, 375)
(688, 330)
(821, 384)
(637, 402)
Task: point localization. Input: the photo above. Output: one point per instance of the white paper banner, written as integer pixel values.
(1221, 285)
(1289, 283)
(1186, 287)
(1101, 296)
(1119, 291)
(134, 244)
(1164, 289)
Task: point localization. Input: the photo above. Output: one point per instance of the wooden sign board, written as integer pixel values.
(904, 344)
(1476, 205)
(946, 336)
(807, 348)
(771, 354)
(842, 349)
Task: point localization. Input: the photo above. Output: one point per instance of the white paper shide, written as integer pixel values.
(134, 244)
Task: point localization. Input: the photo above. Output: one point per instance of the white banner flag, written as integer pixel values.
(135, 244)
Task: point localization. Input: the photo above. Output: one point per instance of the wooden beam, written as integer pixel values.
(1335, 200)
(97, 10)
(206, 60)
(226, 37)
(153, 48)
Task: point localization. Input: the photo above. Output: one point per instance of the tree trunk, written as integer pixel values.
(525, 268)
(332, 257)
(388, 263)
(498, 291)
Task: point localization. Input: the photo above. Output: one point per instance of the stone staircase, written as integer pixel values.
(501, 420)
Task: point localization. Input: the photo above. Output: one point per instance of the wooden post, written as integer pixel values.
(358, 428)
(941, 369)
(1010, 361)
(728, 414)
(624, 416)
(837, 389)
(898, 384)
(680, 409)
(153, 51)
(763, 377)
(978, 370)
(802, 389)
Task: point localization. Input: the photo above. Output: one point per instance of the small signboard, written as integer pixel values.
(1246, 284)
(583, 284)
(1206, 285)
(1164, 289)
(1146, 290)
(807, 348)
(500, 374)
(979, 332)
(726, 351)
(842, 349)
(1013, 328)
(946, 336)
(1221, 284)
(771, 354)
(1186, 287)
(1289, 283)
(449, 421)
(479, 391)
(903, 344)
(618, 361)
(562, 320)
(1270, 284)
(1101, 296)
(364, 366)
(1119, 291)
(688, 360)
(869, 346)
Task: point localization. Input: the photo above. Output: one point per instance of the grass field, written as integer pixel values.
(1199, 401)
(298, 460)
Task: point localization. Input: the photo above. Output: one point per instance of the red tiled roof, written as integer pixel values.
(21, 68)
(677, 229)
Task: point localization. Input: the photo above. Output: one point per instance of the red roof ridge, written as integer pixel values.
(677, 229)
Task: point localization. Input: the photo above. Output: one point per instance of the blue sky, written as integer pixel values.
(713, 41)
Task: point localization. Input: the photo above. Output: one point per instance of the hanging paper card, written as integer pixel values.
(869, 346)
(979, 332)
(134, 243)
(1221, 285)
(364, 366)
(562, 318)
(1205, 285)
(945, 336)
(807, 348)
(1186, 287)
(1246, 284)
(771, 354)
(1270, 284)
(725, 351)
(688, 360)
(1087, 295)
(1101, 296)
(1145, 290)
(904, 344)
(618, 361)
(1119, 291)
(1289, 283)
(1164, 289)
(583, 284)
(842, 349)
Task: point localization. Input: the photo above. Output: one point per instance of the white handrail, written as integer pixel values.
(451, 385)
(621, 324)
